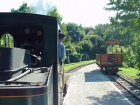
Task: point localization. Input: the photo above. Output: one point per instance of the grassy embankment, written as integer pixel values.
(129, 72)
(74, 65)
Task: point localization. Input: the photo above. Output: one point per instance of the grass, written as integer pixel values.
(74, 65)
(130, 72)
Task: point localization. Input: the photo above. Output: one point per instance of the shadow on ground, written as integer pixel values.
(95, 76)
(112, 98)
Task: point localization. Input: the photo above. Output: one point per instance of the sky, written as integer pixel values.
(88, 13)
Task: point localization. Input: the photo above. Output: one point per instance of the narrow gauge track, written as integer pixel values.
(130, 87)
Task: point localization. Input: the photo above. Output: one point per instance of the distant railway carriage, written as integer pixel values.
(30, 73)
(108, 61)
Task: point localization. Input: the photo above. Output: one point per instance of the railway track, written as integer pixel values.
(127, 85)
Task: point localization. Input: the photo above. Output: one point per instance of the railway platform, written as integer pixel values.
(88, 86)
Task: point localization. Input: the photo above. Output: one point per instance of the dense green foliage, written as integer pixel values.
(6, 40)
(75, 32)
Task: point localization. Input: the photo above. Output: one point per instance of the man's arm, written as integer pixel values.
(63, 52)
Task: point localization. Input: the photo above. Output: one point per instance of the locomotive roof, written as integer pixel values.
(6, 14)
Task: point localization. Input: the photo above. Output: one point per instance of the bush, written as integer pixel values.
(75, 57)
(85, 57)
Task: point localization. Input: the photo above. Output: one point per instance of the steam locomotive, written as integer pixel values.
(30, 73)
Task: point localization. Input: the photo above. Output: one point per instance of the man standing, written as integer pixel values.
(61, 48)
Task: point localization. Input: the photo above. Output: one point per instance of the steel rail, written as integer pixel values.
(128, 81)
(125, 87)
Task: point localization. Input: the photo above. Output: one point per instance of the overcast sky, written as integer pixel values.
(85, 12)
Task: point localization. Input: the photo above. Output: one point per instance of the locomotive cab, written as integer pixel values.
(29, 65)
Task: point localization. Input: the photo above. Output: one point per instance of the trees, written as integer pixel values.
(75, 32)
(87, 48)
(54, 12)
(7, 40)
(24, 8)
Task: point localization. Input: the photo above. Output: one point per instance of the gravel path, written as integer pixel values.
(88, 86)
